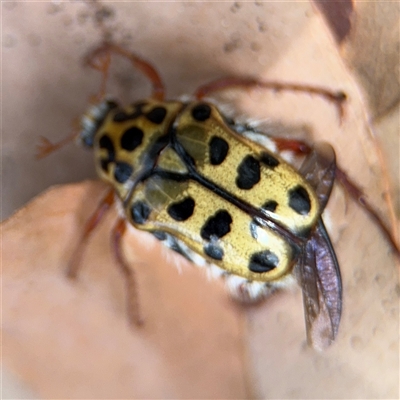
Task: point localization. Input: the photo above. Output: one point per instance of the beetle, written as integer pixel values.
(217, 191)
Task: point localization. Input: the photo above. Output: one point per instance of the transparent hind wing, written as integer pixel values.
(322, 289)
(319, 169)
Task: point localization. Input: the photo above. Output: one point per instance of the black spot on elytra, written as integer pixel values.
(248, 173)
(122, 171)
(263, 261)
(140, 212)
(157, 115)
(217, 226)
(299, 200)
(160, 235)
(182, 210)
(106, 143)
(122, 116)
(269, 160)
(218, 149)
(131, 138)
(214, 251)
(201, 112)
(270, 205)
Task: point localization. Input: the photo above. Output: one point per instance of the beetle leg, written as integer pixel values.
(45, 147)
(129, 274)
(298, 147)
(351, 188)
(338, 98)
(102, 64)
(106, 49)
(101, 210)
(100, 60)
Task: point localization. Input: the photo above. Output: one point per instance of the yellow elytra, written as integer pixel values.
(180, 169)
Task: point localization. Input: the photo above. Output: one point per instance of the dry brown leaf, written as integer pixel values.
(372, 54)
(77, 334)
(338, 16)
